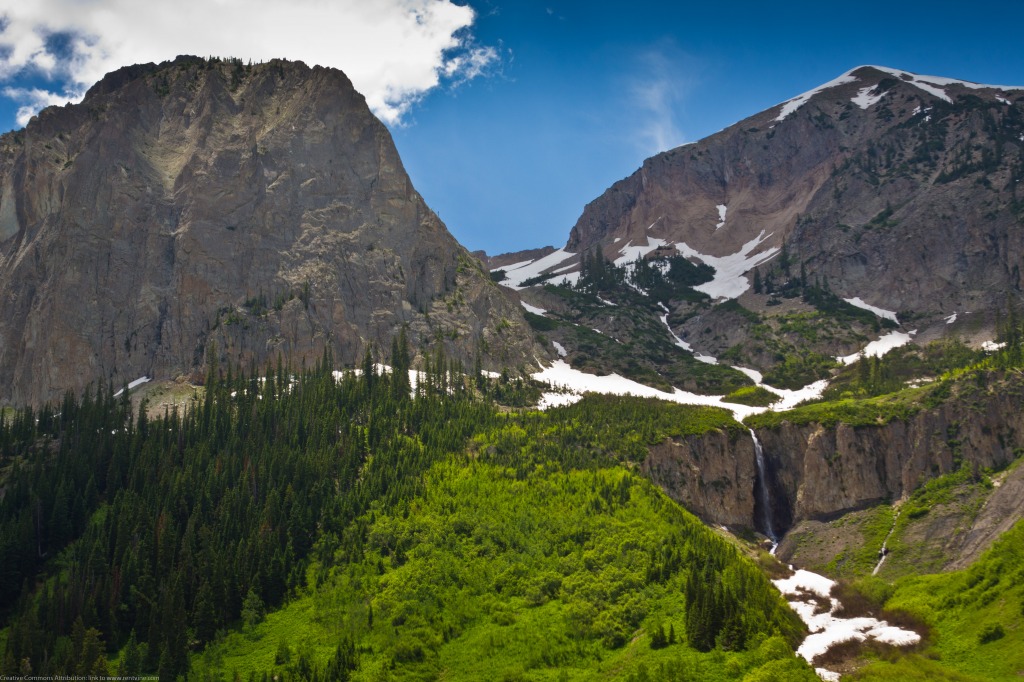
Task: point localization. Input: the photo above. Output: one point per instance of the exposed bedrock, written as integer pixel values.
(819, 472)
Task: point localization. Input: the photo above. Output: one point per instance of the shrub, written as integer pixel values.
(991, 633)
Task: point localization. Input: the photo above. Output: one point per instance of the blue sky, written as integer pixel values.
(510, 118)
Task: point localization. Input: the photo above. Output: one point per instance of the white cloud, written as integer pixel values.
(659, 85)
(34, 99)
(394, 51)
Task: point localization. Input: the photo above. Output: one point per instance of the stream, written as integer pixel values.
(884, 552)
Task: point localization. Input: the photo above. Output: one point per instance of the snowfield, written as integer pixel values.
(879, 346)
(789, 106)
(881, 312)
(729, 281)
(865, 98)
(931, 84)
(629, 254)
(827, 629)
(517, 273)
(573, 381)
(133, 384)
(533, 309)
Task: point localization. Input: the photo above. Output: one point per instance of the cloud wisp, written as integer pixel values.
(31, 100)
(658, 88)
(394, 51)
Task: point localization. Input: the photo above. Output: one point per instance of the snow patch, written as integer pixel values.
(992, 346)
(415, 376)
(629, 254)
(951, 319)
(569, 278)
(133, 384)
(729, 281)
(513, 266)
(562, 375)
(533, 309)
(683, 344)
(942, 81)
(514, 277)
(788, 398)
(605, 302)
(789, 106)
(931, 84)
(1002, 100)
(881, 312)
(827, 629)
(791, 398)
(879, 346)
(560, 349)
(721, 215)
(574, 382)
(754, 375)
(805, 581)
(866, 98)
(549, 400)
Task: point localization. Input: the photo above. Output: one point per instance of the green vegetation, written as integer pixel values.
(321, 529)
(633, 342)
(860, 560)
(901, 366)
(797, 370)
(870, 411)
(493, 574)
(976, 617)
(888, 389)
(597, 431)
(752, 395)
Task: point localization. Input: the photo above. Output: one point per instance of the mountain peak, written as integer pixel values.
(206, 204)
(871, 76)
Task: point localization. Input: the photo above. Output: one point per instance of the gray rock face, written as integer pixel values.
(817, 472)
(912, 202)
(259, 210)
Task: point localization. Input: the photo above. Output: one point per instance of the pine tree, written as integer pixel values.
(131, 658)
(252, 609)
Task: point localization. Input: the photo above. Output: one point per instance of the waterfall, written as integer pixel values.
(762, 486)
(884, 552)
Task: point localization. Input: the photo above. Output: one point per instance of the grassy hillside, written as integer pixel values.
(976, 618)
(492, 574)
(306, 527)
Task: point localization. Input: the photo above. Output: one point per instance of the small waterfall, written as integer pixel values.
(762, 486)
(884, 552)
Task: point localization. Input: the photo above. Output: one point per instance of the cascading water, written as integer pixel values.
(762, 486)
(884, 552)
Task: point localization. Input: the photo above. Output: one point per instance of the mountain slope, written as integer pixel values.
(261, 210)
(897, 192)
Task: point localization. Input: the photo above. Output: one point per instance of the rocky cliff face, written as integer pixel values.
(816, 472)
(261, 210)
(898, 189)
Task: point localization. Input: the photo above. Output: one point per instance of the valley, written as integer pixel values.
(265, 419)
